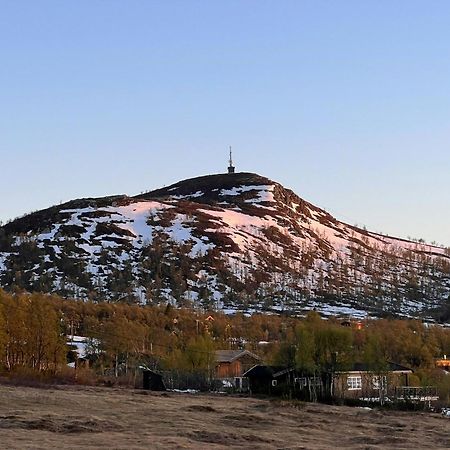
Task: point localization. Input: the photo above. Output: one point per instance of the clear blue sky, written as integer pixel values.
(345, 102)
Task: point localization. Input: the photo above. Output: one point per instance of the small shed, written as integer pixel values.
(282, 380)
(270, 380)
(152, 381)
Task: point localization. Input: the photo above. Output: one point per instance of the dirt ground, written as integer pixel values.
(91, 418)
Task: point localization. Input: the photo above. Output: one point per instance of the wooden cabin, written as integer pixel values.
(233, 363)
(361, 381)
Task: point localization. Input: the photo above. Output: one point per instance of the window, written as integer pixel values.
(379, 382)
(354, 382)
(302, 382)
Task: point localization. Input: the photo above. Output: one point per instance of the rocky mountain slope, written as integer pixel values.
(238, 242)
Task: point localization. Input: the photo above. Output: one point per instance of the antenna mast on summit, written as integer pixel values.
(231, 167)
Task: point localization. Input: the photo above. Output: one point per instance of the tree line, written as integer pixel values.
(35, 330)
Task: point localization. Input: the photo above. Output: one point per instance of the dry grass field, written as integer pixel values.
(91, 418)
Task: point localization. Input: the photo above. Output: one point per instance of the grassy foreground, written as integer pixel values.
(88, 417)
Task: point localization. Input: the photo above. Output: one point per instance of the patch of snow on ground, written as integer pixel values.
(314, 214)
(330, 235)
(50, 235)
(178, 232)
(330, 310)
(200, 248)
(77, 211)
(241, 227)
(235, 219)
(184, 391)
(139, 292)
(136, 215)
(239, 190)
(181, 197)
(87, 236)
(56, 249)
(257, 205)
(264, 195)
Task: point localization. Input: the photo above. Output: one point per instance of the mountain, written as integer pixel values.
(236, 242)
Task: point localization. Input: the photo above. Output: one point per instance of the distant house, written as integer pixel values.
(443, 363)
(279, 380)
(232, 364)
(77, 354)
(362, 381)
(358, 382)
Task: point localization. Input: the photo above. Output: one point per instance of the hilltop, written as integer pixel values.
(235, 242)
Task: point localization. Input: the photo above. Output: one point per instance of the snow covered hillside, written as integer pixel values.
(238, 242)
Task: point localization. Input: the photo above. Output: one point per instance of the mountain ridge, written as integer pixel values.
(237, 242)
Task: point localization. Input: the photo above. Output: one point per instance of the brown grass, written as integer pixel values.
(91, 418)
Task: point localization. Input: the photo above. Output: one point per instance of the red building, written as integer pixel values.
(234, 363)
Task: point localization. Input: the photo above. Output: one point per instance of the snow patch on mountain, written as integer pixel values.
(189, 196)
(264, 193)
(136, 216)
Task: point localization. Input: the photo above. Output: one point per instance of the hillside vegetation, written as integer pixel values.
(120, 338)
(237, 242)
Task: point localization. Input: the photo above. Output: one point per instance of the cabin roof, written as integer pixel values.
(261, 371)
(152, 373)
(232, 355)
(389, 367)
